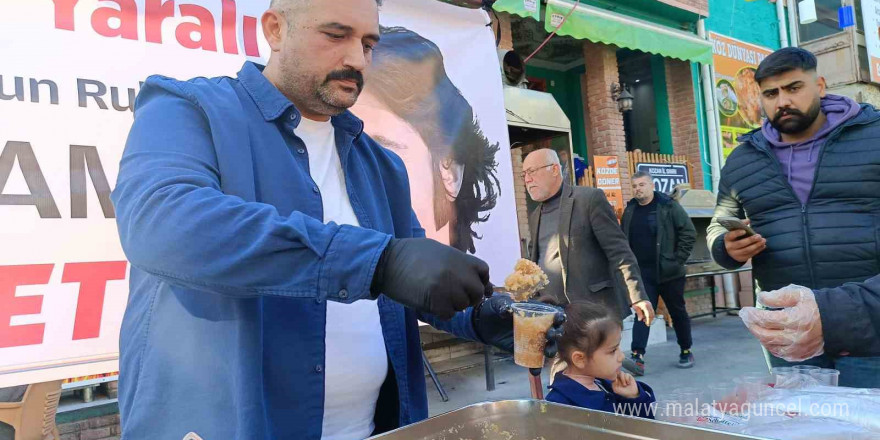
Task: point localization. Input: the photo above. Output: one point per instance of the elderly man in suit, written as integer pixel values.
(577, 241)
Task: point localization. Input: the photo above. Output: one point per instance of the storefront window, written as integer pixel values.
(864, 65)
(826, 23)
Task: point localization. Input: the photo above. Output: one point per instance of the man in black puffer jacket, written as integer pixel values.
(809, 183)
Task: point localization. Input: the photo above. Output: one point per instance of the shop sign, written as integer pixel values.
(737, 95)
(666, 175)
(608, 180)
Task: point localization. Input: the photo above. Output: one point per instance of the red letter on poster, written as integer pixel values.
(64, 14)
(205, 29)
(11, 305)
(155, 12)
(92, 279)
(127, 15)
(228, 25)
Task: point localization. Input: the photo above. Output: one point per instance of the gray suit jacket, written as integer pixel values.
(597, 262)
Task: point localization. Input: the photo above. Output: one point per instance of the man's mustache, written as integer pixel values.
(789, 112)
(349, 74)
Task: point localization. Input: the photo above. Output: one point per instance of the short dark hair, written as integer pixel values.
(587, 326)
(785, 60)
(640, 174)
(408, 75)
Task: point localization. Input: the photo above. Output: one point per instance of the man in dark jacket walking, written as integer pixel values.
(662, 237)
(807, 181)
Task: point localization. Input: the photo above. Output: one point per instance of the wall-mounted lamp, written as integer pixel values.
(622, 96)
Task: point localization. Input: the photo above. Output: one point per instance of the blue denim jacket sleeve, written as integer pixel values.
(461, 325)
(176, 223)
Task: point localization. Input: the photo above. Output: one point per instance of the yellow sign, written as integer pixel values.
(737, 94)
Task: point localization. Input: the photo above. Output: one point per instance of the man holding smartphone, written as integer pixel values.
(807, 182)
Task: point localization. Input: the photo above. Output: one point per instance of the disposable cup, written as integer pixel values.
(530, 324)
(805, 369)
(782, 374)
(826, 376)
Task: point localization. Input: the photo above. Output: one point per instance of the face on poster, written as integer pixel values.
(736, 91)
(68, 86)
(432, 95)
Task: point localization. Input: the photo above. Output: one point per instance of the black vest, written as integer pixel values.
(835, 237)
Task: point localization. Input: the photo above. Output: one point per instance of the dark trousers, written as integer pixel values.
(672, 293)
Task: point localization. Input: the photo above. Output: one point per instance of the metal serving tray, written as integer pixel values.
(540, 420)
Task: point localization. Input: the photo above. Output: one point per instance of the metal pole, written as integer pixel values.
(780, 17)
(434, 378)
(535, 384)
(711, 115)
(793, 23)
(490, 369)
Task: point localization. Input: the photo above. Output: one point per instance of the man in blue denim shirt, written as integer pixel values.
(273, 249)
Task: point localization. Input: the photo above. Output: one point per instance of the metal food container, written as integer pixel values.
(540, 420)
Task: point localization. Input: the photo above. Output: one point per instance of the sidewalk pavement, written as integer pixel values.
(723, 349)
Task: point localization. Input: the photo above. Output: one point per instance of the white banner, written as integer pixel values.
(70, 72)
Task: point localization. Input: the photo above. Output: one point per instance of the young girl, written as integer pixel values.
(592, 378)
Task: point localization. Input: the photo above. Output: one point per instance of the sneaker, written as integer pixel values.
(685, 359)
(635, 364)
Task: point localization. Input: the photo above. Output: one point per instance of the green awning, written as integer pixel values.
(523, 8)
(603, 26)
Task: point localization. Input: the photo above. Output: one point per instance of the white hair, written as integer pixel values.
(549, 155)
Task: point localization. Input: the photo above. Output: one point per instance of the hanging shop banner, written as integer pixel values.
(666, 175)
(871, 17)
(523, 8)
(737, 95)
(608, 180)
(67, 87)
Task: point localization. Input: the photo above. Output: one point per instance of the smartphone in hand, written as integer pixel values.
(735, 224)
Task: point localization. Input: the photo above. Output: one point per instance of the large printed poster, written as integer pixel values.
(738, 97)
(70, 73)
(871, 18)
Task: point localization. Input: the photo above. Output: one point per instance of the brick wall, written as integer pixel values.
(455, 348)
(604, 122)
(98, 428)
(696, 6)
(697, 299)
(519, 191)
(506, 34)
(683, 116)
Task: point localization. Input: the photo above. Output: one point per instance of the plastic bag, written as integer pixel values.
(810, 428)
(793, 333)
(856, 409)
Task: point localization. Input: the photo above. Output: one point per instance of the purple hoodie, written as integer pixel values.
(799, 159)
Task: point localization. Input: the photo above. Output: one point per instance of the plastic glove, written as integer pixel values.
(493, 323)
(430, 277)
(793, 333)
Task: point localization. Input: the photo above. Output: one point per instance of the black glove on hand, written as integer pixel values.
(430, 277)
(493, 323)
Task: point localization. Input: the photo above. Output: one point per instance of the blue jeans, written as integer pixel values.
(856, 372)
